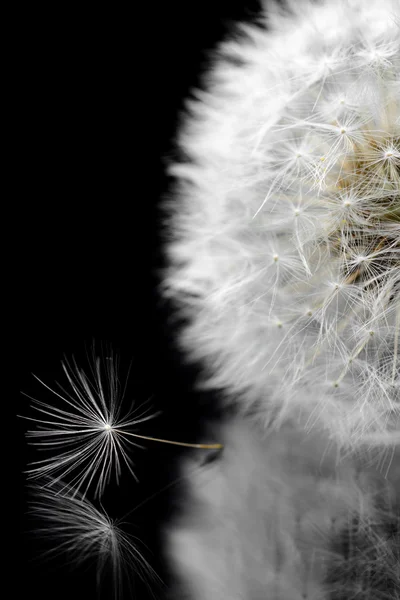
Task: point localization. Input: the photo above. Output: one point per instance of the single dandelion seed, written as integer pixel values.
(79, 429)
(87, 434)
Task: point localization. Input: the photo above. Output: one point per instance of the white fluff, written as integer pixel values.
(283, 245)
(285, 518)
(285, 226)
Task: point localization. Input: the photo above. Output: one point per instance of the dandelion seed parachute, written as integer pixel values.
(283, 236)
(87, 437)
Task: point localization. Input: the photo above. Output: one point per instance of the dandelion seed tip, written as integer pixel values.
(275, 257)
(107, 426)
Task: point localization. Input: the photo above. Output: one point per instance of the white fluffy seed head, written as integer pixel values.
(285, 251)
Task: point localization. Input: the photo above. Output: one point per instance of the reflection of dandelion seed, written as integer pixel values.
(88, 434)
(85, 534)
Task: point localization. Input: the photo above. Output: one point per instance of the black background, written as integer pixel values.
(97, 97)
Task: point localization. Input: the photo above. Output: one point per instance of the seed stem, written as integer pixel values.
(153, 439)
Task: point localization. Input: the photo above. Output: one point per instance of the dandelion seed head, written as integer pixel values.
(314, 118)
